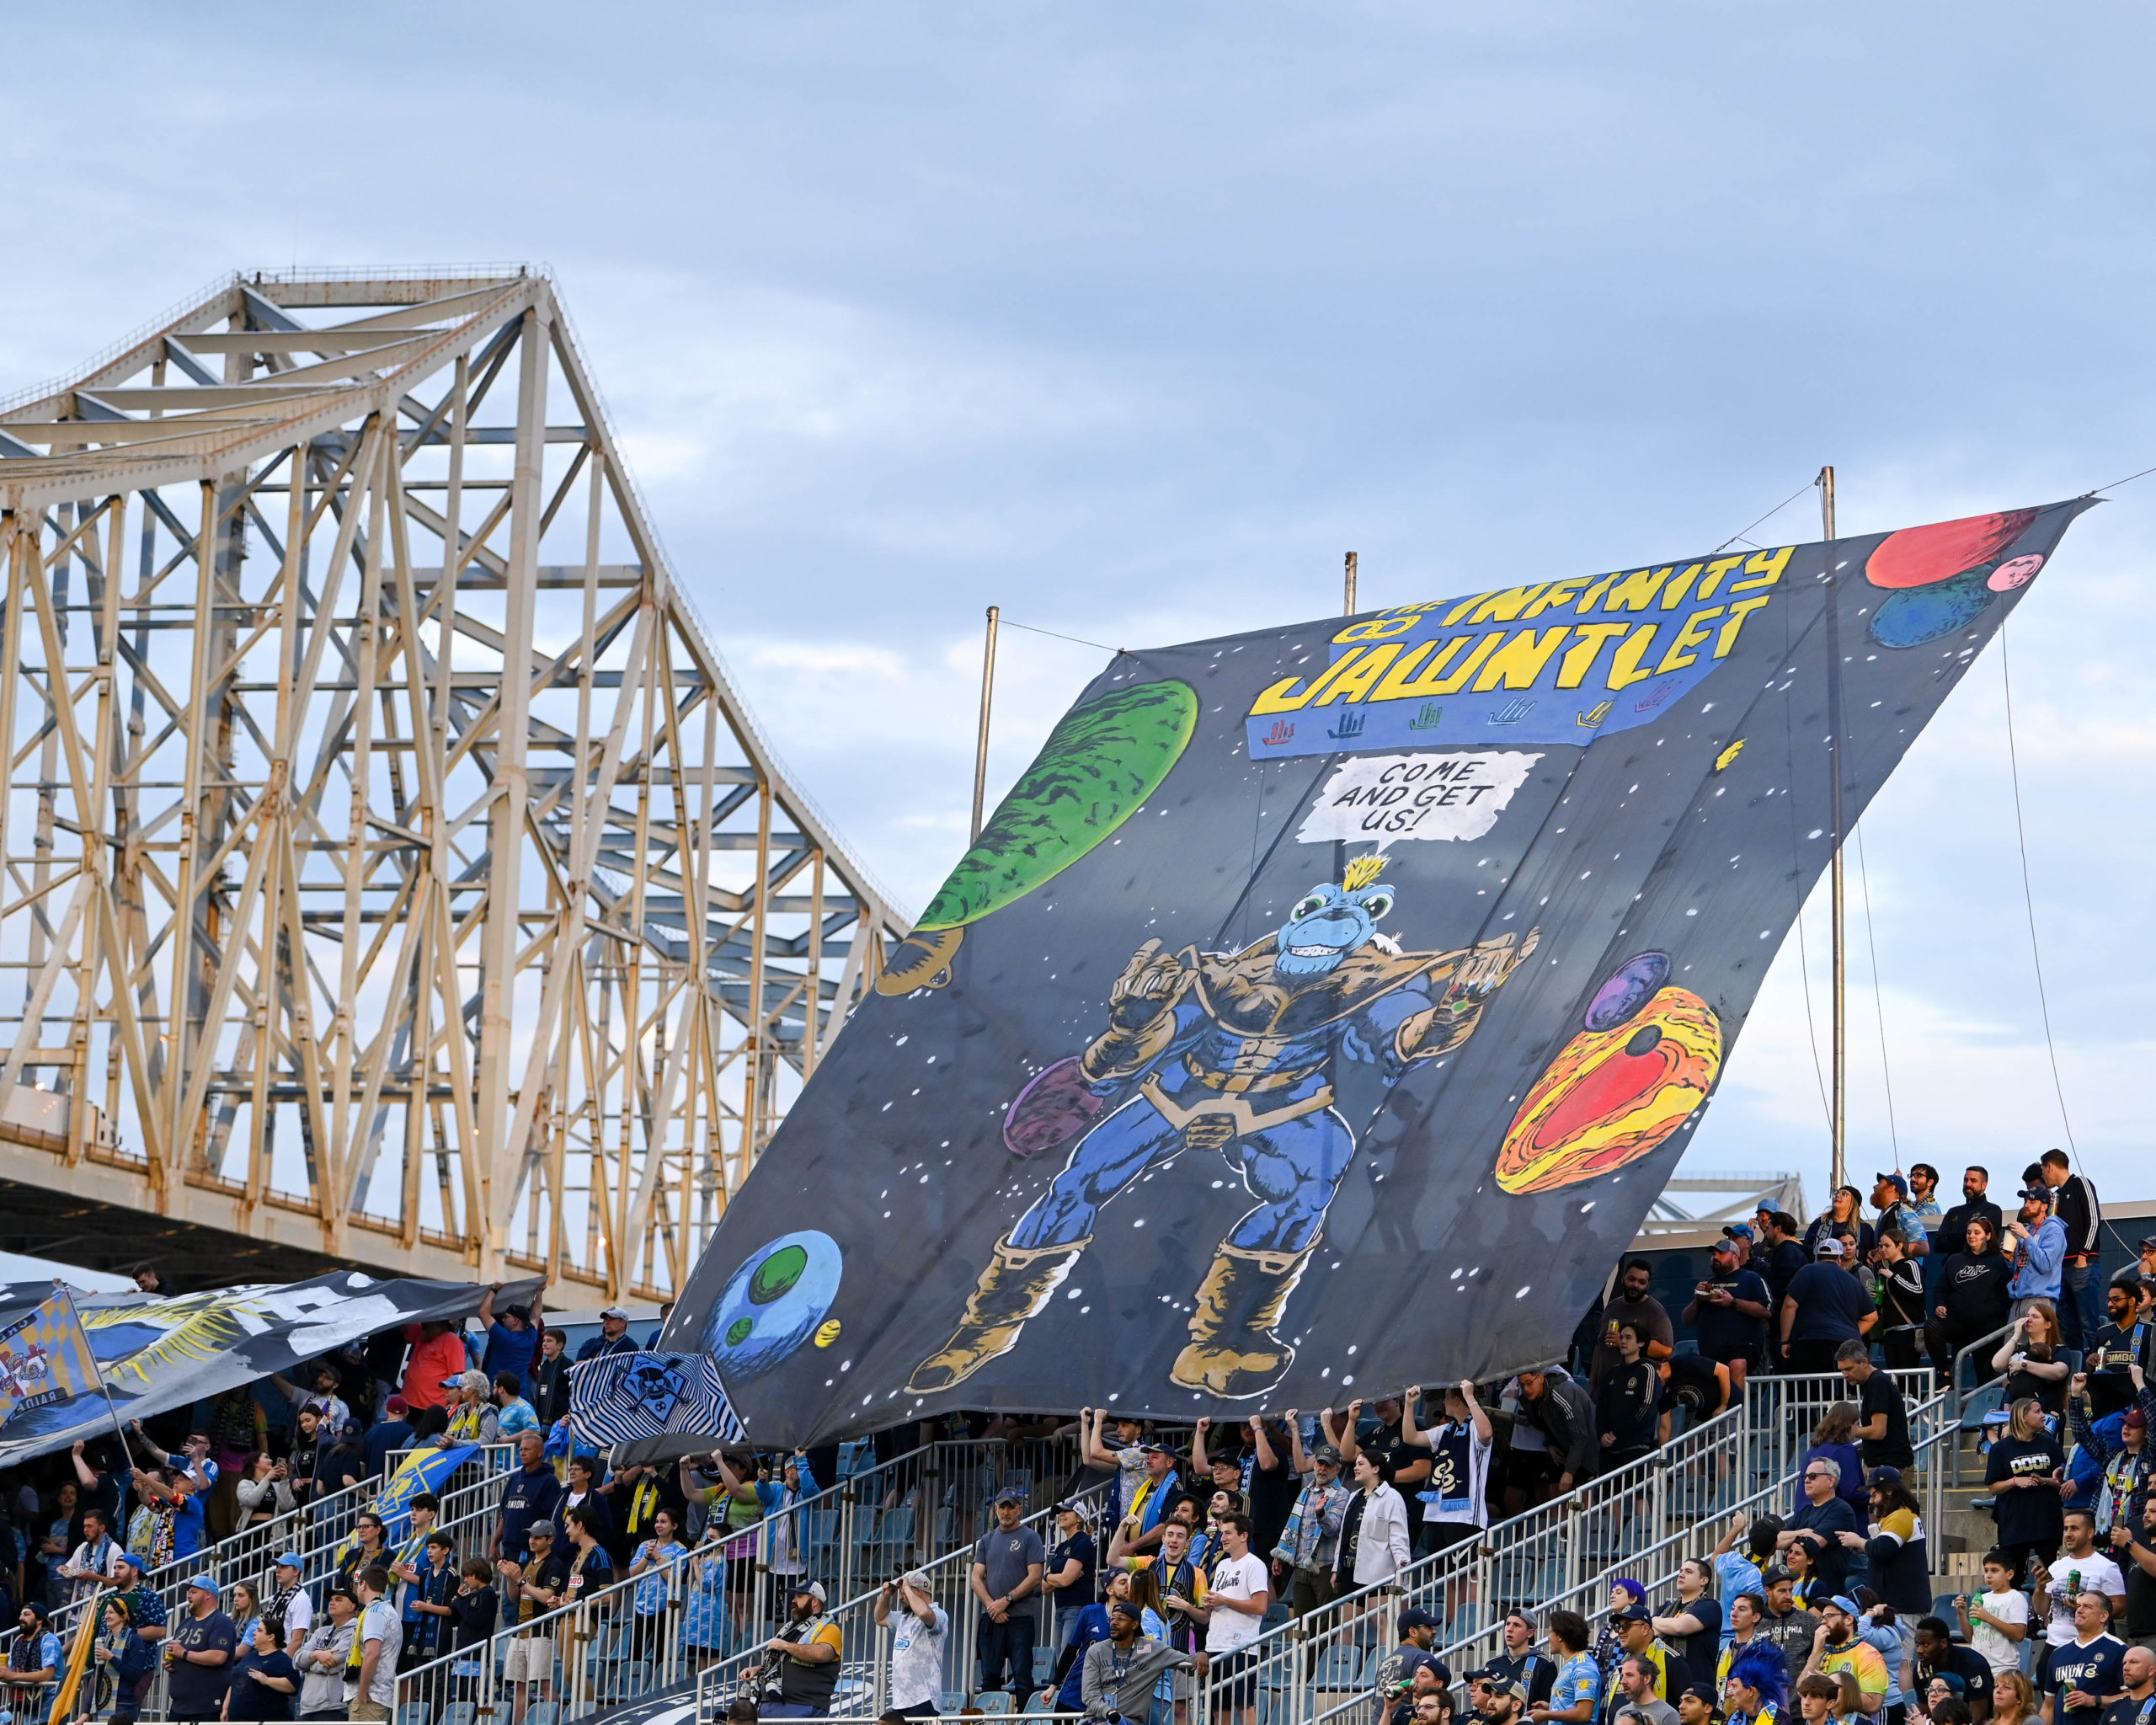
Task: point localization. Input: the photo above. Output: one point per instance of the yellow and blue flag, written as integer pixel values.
(422, 1470)
(45, 1358)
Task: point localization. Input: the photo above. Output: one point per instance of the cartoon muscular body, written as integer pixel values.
(1233, 1052)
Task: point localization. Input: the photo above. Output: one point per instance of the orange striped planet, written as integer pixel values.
(1611, 1096)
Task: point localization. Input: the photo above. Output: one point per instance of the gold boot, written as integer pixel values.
(1233, 1351)
(1016, 1285)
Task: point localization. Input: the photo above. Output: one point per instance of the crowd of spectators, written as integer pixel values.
(99, 1517)
(1205, 1537)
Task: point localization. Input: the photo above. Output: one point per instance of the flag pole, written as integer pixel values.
(113, 1413)
(1840, 1124)
(96, 1372)
(987, 696)
(86, 1632)
(1348, 586)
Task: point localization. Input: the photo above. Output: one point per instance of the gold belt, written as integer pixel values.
(1242, 1083)
(1247, 1119)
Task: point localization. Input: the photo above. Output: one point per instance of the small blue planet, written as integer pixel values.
(774, 1302)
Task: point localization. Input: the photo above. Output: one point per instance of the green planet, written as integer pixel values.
(1099, 765)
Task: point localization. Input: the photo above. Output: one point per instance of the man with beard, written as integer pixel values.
(1633, 1305)
(2037, 1240)
(1120, 1672)
(1951, 1236)
(1787, 1628)
(2110, 1361)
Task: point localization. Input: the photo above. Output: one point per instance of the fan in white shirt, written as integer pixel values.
(2079, 1568)
(1238, 1592)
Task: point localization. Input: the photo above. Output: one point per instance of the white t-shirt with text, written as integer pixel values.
(1243, 1578)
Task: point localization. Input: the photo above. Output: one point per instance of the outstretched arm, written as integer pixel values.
(1143, 1016)
(1474, 975)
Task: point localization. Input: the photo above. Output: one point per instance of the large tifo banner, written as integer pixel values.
(1325, 1007)
(154, 1355)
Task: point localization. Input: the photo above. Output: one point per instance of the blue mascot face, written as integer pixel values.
(1329, 923)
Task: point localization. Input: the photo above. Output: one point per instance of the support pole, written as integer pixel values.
(1840, 1122)
(1348, 609)
(987, 697)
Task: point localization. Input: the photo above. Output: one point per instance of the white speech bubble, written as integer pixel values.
(1382, 799)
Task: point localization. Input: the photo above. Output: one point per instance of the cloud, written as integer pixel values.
(1132, 320)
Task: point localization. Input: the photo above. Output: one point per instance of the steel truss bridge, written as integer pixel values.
(389, 874)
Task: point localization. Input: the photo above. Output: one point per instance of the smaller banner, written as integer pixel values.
(45, 1358)
(421, 1471)
(626, 1398)
(154, 1353)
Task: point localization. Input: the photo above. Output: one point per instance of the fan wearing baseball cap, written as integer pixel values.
(613, 1336)
(1843, 1647)
(2037, 1239)
(801, 1663)
(1398, 1670)
(1826, 1307)
(1008, 1561)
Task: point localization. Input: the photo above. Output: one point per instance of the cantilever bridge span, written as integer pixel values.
(389, 874)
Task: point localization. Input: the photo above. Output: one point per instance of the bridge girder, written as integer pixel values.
(388, 869)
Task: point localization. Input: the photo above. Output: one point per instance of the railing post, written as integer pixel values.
(848, 1499)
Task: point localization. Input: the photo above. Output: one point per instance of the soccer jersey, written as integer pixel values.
(1579, 1679)
(1457, 1489)
(2094, 1668)
(1735, 1575)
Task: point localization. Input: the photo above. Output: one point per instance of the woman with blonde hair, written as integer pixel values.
(2026, 1473)
(2013, 1699)
(1845, 1210)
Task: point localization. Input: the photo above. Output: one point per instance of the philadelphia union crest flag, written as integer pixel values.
(1324, 1008)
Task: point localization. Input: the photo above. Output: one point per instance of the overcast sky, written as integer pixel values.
(1131, 319)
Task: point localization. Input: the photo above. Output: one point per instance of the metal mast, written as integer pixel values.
(1840, 1121)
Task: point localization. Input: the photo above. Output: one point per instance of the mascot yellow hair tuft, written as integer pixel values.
(1361, 871)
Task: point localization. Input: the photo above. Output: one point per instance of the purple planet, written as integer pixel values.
(1051, 1109)
(1626, 989)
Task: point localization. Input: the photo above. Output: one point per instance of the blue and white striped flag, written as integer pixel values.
(624, 1398)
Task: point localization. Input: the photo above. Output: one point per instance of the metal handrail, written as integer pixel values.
(949, 1583)
(1759, 1442)
(1314, 1663)
(1954, 1371)
(1958, 1399)
(314, 1527)
(608, 1630)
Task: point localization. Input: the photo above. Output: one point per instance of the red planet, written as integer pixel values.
(1916, 556)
